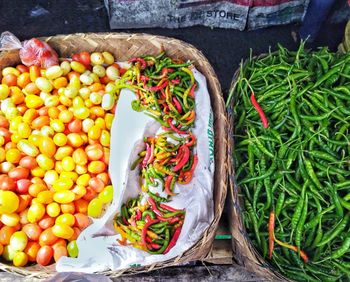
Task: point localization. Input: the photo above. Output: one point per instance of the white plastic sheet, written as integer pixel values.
(98, 246)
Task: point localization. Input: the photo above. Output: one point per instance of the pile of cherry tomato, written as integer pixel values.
(54, 153)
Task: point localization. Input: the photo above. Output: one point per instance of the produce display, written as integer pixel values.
(55, 126)
(55, 122)
(292, 158)
(165, 91)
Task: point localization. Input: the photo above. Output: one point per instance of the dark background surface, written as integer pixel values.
(224, 49)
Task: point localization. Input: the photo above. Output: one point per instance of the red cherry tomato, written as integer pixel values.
(28, 162)
(76, 57)
(4, 122)
(47, 238)
(44, 255)
(75, 126)
(9, 79)
(6, 134)
(19, 173)
(85, 58)
(7, 183)
(46, 222)
(23, 186)
(32, 231)
(60, 251)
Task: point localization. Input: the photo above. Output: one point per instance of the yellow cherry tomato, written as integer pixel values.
(33, 101)
(62, 184)
(50, 177)
(28, 148)
(45, 197)
(45, 162)
(53, 209)
(60, 139)
(62, 231)
(64, 197)
(68, 164)
(36, 212)
(67, 219)
(20, 259)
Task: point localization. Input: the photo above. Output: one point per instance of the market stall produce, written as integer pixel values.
(84, 89)
(291, 158)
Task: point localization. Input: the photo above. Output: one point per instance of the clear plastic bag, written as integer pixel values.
(32, 51)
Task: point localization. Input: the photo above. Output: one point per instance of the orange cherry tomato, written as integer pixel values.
(90, 194)
(73, 74)
(4, 132)
(75, 234)
(40, 121)
(32, 231)
(60, 243)
(19, 173)
(94, 152)
(59, 251)
(32, 250)
(24, 200)
(7, 183)
(75, 126)
(43, 111)
(36, 188)
(22, 68)
(46, 222)
(68, 208)
(44, 255)
(104, 176)
(9, 79)
(47, 238)
(97, 184)
(28, 162)
(31, 88)
(34, 72)
(4, 122)
(81, 221)
(5, 234)
(23, 79)
(81, 206)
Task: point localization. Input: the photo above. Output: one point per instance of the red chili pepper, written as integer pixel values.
(167, 185)
(140, 60)
(271, 233)
(147, 156)
(125, 221)
(158, 87)
(185, 177)
(177, 105)
(171, 220)
(191, 140)
(132, 221)
(154, 206)
(185, 158)
(145, 228)
(166, 207)
(260, 111)
(174, 128)
(151, 157)
(122, 242)
(173, 240)
(138, 215)
(178, 157)
(153, 245)
(144, 78)
(175, 81)
(192, 90)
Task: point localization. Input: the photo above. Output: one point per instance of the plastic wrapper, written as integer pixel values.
(32, 51)
(98, 246)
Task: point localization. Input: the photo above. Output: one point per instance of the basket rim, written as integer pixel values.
(220, 123)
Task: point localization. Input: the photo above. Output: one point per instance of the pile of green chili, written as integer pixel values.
(292, 160)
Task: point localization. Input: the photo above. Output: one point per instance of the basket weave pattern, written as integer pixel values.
(123, 47)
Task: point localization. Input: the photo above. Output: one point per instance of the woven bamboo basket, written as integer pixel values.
(124, 46)
(244, 252)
